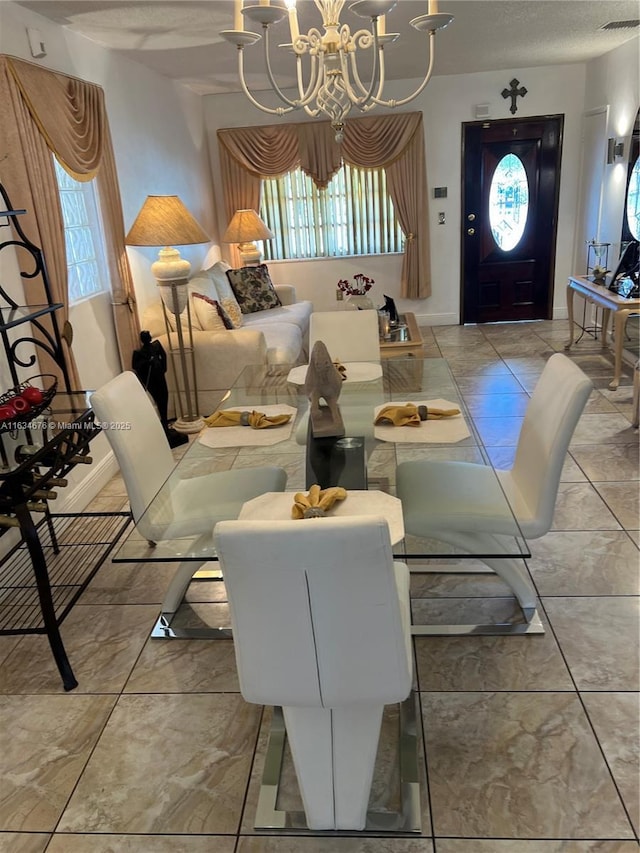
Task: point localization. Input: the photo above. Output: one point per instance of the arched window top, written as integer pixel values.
(508, 202)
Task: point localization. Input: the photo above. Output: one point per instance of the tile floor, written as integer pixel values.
(529, 745)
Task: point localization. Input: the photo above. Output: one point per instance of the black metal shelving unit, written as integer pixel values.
(37, 451)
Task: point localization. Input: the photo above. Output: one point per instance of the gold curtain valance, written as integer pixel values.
(69, 113)
(273, 150)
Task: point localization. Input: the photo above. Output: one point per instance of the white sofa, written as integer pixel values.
(278, 336)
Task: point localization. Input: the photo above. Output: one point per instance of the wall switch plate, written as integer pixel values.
(442, 220)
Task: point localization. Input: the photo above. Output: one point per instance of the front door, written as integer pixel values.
(511, 177)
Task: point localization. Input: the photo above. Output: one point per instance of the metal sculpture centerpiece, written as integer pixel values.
(334, 84)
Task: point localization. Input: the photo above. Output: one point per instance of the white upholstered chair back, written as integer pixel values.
(348, 335)
(316, 611)
(142, 449)
(550, 420)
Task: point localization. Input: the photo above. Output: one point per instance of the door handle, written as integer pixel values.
(471, 231)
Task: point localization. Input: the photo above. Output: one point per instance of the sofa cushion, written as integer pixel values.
(253, 288)
(232, 310)
(284, 342)
(210, 314)
(298, 313)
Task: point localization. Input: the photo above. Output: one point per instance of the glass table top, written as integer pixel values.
(402, 380)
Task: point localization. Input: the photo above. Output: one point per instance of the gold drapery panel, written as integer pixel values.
(42, 111)
(395, 142)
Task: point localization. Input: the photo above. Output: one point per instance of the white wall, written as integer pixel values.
(447, 102)
(613, 82)
(160, 148)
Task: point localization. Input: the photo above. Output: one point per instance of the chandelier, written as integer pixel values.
(333, 84)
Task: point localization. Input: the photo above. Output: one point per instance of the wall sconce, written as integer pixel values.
(615, 150)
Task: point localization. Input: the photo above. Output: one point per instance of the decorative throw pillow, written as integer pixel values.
(211, 315)
(253, 289)
(232, 310)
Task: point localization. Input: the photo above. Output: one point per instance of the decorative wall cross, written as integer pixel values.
(513, 93)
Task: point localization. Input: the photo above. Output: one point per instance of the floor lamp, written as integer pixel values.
(164, 221)
(245, 227)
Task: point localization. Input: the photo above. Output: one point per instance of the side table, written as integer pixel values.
(404, 341)
(610, 302)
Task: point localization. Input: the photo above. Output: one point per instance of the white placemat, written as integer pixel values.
(241, 436)
(445, 431)
(357, 371)
(276, 506)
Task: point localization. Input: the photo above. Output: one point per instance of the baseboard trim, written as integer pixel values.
(438, 319)
(97, 477)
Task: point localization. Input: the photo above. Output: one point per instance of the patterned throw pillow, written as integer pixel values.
(233, 312)
(253, 289)
(211, 315)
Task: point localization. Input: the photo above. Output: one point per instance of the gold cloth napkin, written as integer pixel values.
(411, 415)
(255, 420)
(317, 502)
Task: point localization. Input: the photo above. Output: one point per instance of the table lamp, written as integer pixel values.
(245, 227)
(163, 221)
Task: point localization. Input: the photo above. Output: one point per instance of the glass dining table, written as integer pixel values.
(363, 461)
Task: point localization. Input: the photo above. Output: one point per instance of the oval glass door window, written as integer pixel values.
(508, 202)
(633, 201)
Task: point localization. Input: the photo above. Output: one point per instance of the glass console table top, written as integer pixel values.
(403, 380)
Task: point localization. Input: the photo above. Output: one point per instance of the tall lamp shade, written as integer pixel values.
(245, 227)
(165, 221)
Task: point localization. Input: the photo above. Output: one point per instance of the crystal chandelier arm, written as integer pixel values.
(409, 98)
(277, 111)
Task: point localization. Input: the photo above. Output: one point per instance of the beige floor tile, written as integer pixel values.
(606, 428)
(454, 584)
(254, 844)
(530, 662)
(67, 843)
(616, 719)
(623, 499)
(45, 742)
(518, 765)
(499, 432)
(23, 842)
(475, 845)
(497, 405)
(129, 583)
(204, 745)
(504, 457)
(528, 365)
(609, 462)
(580, 507)
(599, 639)
(489, 383)
(102, 644)
(185, 666)
(598, 562)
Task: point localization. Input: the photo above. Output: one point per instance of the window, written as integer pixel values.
(86, 263)
(508, 202)
(353, 216)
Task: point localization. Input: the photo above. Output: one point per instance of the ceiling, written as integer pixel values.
(181, 39)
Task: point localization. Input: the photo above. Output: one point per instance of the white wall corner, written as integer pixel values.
(97, 477)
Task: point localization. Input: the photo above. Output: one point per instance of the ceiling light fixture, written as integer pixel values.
(334, 84)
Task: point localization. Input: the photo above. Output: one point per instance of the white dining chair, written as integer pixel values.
(146, 461)
(350, 336)
(321, 626)
(462, 503)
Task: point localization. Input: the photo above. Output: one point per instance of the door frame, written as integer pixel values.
(560, 117)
